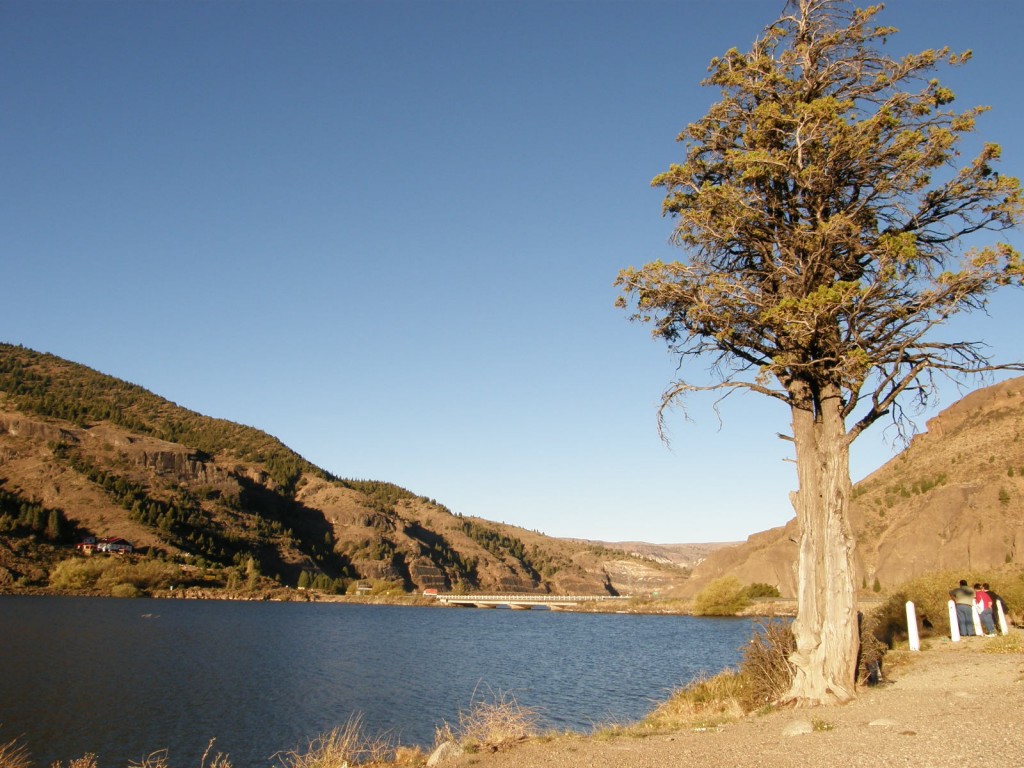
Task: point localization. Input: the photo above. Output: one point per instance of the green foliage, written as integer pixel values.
(375, 587)
(322, 583)
(760, 589)
(117, 576)
(930, 595)
(125, 590)
(722, 597)
(20, 517)
(380, 496)
(500, 544)
(49, 386)
(493, 540)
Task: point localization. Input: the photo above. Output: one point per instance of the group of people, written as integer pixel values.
(980, 598)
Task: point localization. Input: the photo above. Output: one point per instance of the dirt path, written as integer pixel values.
(951, 706)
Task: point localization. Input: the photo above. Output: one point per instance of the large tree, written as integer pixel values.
(824, 210)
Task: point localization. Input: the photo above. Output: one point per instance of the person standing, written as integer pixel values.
(997, 603)
(983, 602)
(963, 598)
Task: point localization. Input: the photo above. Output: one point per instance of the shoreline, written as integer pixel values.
(762, 608)
(948, 706)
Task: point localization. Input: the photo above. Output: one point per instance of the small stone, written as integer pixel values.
(883, 722)
(449, 750)
(798, 728)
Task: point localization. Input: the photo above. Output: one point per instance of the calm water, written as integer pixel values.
(122, 678)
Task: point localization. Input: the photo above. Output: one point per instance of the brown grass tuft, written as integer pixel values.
(86, 761)
(705, 702)
(766, 666)
(342, 747)
(492, 722)
(14, 755)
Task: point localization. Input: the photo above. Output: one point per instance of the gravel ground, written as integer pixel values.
(950, 706)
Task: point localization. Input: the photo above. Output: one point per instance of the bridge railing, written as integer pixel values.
(522, 597)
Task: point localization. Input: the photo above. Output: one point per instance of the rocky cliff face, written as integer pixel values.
(953, 500)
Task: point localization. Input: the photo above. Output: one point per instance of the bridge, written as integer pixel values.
(523, 601)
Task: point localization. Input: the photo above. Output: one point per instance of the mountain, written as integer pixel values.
(953, 500)
(85, 454)
(682, 555)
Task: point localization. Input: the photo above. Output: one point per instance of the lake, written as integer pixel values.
(124, 678)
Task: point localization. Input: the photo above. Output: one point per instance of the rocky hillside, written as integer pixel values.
(953, 500)
(84, 454)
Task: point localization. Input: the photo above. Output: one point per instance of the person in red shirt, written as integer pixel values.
(983, 602)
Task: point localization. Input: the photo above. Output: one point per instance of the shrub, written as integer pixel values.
(760, 589)
(494, 721)
(125, 590)
(344, 746)
(766, 669)
(107, 574)
(930, 595)
(721, 597)
(872, 649)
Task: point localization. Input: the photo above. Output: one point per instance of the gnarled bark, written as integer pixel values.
(825, 629)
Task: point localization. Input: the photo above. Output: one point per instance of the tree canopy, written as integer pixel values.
(822, 211)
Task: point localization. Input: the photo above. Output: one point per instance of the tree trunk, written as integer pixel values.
(826, 632)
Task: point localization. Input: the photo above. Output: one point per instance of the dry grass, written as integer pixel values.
(342, 747)
(765, 667)
(704, 703)
(159, 759)
(14, 755)
(1011, 643)
(86, 761)
(492, 722)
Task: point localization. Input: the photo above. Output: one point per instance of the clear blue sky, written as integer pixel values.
(387, 231)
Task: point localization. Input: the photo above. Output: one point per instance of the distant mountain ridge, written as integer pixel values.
(107, 458)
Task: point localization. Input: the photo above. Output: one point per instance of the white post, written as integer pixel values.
(978, 631)
(954, 625)
(912, 636)
(1002, 617)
